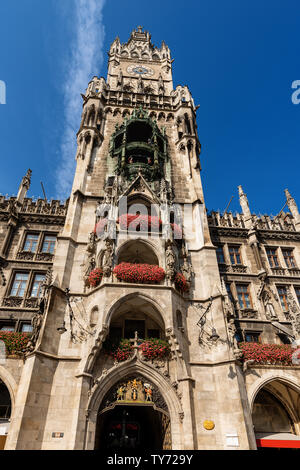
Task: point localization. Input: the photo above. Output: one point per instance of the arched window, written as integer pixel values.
(179, 319)
(139, 132)
(137, 251)
(138, 315)
(188, 128)
(94, 316)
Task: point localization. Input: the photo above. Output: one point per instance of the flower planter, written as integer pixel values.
(151, 349)
(15, 342)
(95, 277)
(155, 349)
(181, 283)
(268, 354)
(139, 273)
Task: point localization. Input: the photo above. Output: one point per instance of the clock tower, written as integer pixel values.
(134, 345)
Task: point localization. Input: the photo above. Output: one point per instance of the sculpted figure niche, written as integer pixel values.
(187, 271)
(89, 262)
(170, 262)
(107, 260)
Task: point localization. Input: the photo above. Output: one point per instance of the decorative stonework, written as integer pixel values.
(12, 301)
(25, 255)
(31, 303)
(44, 257)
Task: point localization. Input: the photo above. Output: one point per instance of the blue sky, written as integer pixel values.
(239, 60)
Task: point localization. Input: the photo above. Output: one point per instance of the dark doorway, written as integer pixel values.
(131, 427)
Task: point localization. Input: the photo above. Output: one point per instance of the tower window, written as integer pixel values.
(220, 255)
(252, 337)
(272, 257)
(282, 293)
(19, 285)
(243, 296)
(235, 254)
(289, 257)
(37, 285)
(7, 327)
(26, 328)
(179, 319)
(31, 242)
(49, 244)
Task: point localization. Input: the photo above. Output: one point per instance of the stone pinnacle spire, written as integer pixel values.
(293, 208)
(244, 202)
(24, 186)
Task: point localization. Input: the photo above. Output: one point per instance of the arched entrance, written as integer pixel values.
(276, 416)
(5, 412)
(133, 415)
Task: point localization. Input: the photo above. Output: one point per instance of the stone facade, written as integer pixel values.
(138, 143)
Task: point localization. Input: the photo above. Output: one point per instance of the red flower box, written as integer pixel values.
(268, 353)
(151, 348)
(95, 277)
(139, 273)
(181, 283)
(155, 348)
(15, 342)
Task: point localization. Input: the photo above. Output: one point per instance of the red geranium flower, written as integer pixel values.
(95, 277)
(139, 273)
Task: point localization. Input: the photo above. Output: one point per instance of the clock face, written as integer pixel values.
(140, 70)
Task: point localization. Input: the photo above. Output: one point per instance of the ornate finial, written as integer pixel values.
(139, 29)
(241, 192)
(287, 194)
(292, 205)
(244, 202)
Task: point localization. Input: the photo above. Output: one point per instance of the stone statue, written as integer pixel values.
(120, 80)
(26, 179)
(161, 86)
(170, 262)
(89, 263)
(269, 308)
(107, 260)
(36, 323)
(140, 85)
(187, 271)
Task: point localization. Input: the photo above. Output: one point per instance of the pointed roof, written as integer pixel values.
(140, 186)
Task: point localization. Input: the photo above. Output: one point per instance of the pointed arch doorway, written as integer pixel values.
(133, 415)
